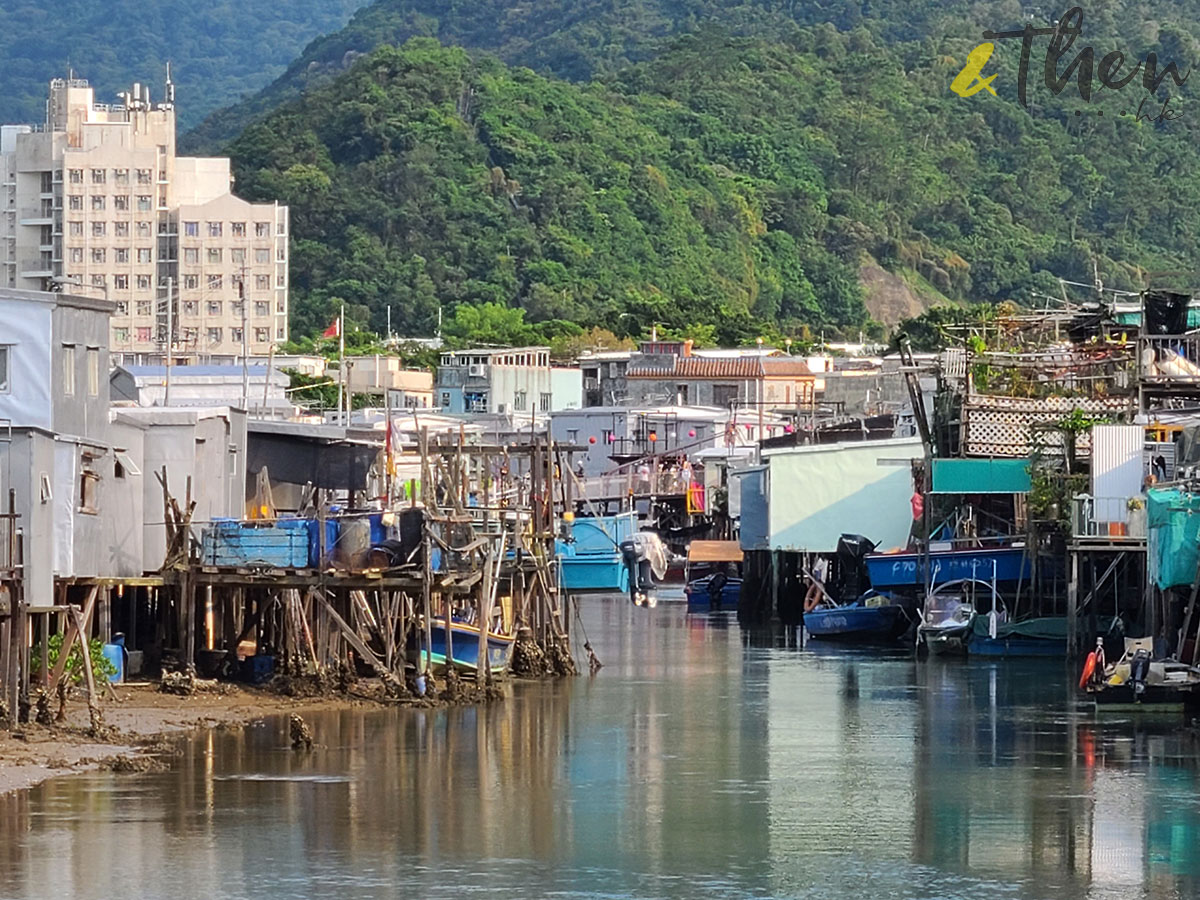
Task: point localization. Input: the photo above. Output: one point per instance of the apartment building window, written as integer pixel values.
(519, 401)
(3, 369)
(121, 229)
(546, 402)
(98, 202)
(214, 307)
(145, 254)
(76, 254)
(214, 229)
(143, 334)
(191, 229)
(76, 176)
(121, 335)
(144, 308)
(93, 371)
(262, 256)
(191, 307)
(143, 229)
(121, 255)
(75, 229)
(121, 176)
(143, 282)
(237, 307)
(121, 202)
(280, 253)
(98, 176)
(143, 203)
(262, 308)
(123, 308)
(280, 306)
(75, 202)
(145, 176)
(262, 282)
(237, 229)
(99, 229)
(214, 335)
(235, 335)
(280, 281)
(68, 369)
(214, 282)
(262, 229)
(281, 332)
(237, 256)
(191, 256)
(98, 254)
(262, 335)
(214, 255)
(98, 281)
(121, 282)
(162, 198)
(236, 282)
(191, 282)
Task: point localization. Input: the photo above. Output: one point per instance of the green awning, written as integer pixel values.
(981, 476)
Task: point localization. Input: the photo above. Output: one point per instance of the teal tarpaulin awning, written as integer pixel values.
(1173, 520)
(981, 476)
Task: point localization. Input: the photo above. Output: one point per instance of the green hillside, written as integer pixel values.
(728, 181)
(219, 51)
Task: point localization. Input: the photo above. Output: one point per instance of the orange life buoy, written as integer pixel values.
(1089, 669)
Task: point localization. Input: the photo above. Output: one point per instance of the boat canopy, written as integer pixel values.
(714, 551)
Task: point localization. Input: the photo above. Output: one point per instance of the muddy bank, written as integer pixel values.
(141, 721)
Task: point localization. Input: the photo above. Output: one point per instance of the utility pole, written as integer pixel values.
(170, 337)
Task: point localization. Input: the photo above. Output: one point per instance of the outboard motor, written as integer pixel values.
(1139, 668)
(641, 579)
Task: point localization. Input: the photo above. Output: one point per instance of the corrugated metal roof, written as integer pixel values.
(741, 367)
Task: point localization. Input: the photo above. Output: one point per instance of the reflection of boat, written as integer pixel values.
(1136, 679)
(1041, 636)
(950, 613)
(704, 561)
(1002, 563)
(869, 620)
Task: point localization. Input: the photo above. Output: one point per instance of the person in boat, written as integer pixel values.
(716, 586)
(816, 585)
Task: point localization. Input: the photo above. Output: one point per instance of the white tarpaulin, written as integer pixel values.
(819, 493)
(1117, 469)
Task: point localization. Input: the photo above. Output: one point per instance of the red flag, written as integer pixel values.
(333, 330)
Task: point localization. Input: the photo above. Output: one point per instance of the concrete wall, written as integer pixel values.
(566, 388)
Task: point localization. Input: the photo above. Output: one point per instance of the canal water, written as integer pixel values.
(701, 762)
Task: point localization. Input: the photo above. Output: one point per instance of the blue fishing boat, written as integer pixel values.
(707, 560)
(592, 559)
(1002, 563)
(464, 639)
(868, 621)
(1041, 636)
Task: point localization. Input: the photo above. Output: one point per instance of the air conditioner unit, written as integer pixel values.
(475, 370)
(502, 408)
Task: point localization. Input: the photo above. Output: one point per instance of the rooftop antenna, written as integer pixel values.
(170, 95)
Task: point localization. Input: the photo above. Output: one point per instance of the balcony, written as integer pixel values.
(1170, 363)
(1108, 519)
(35, 215)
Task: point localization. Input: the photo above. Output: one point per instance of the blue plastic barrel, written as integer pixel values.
(115, 654)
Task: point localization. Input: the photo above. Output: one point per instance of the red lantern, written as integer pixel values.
(592, 439)
(692, 433)
(788, 428)
(653, 437)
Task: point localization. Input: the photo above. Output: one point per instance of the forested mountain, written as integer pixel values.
(219, 49)
(727, 181)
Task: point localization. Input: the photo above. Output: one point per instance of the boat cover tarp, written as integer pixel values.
(1173, 521)
(714, 551)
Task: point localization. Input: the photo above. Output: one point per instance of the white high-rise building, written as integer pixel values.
(95, 200)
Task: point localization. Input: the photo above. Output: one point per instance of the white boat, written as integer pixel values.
(950, 611)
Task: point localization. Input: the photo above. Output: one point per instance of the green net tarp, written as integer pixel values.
(1173, 520)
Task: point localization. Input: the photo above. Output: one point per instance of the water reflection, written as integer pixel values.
(700, 762)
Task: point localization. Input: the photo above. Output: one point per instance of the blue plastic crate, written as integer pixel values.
(228, 543)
